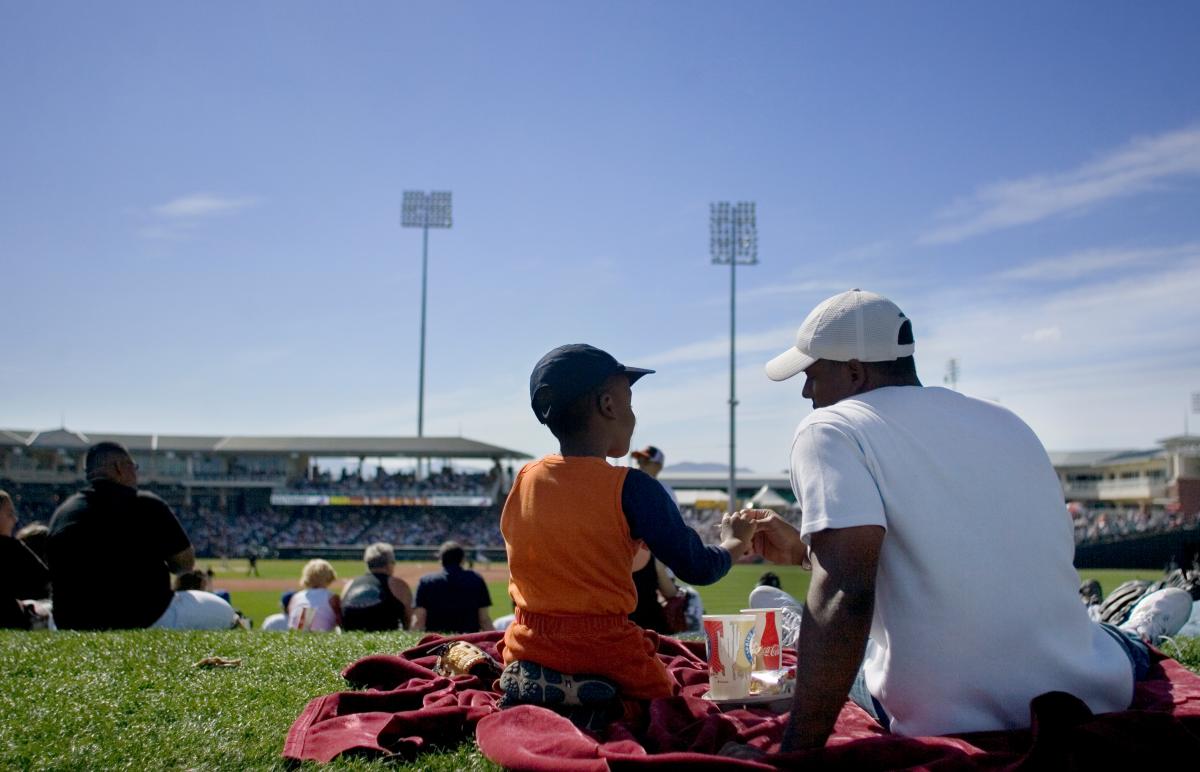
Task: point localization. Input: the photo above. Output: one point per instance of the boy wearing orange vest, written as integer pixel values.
(571, 526)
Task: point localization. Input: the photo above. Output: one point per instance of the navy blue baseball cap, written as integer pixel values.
(568, 372)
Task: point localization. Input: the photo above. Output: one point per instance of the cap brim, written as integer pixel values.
(788, 363)
(634, 373)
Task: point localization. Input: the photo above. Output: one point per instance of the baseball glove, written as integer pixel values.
(1185, 580)
(462, 658)
(1120, 602)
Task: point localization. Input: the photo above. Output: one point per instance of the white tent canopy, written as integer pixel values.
(767, 498)
(702, 499)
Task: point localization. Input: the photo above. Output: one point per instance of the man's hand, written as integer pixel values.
(777, 540)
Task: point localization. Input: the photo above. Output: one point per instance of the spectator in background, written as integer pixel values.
(192, 580)
(650, 577)
(453, 600)
(315, 608)
(377, 600)
(22, 575)
(650, 460)
(142, 544)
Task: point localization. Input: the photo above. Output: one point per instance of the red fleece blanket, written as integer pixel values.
(407, 709)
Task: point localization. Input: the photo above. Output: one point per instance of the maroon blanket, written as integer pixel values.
(408, 709)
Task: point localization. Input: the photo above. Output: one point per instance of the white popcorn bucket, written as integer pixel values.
(730, 659)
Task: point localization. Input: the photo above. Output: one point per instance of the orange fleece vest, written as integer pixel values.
(568, 542)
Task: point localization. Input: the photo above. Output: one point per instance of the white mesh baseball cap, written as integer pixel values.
(853, 325)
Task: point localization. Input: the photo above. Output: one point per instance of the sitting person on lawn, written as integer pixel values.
(377, 601)
(572, 525)
(23, 576)
(315, 607)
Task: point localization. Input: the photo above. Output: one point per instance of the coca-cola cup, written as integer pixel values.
(730, 659)
(767, 648)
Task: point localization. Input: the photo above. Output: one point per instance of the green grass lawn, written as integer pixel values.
(729, 594)
(132, 700)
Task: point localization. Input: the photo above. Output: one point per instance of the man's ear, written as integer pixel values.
(858, 375)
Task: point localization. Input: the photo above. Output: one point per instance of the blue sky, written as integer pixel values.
(199, 229)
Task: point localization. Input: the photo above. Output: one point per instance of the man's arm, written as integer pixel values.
(418, 619)
(833, 636)
(402, 592)
(335, 603)
(485, 619)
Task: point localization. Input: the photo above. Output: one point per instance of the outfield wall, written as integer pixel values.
(1152, 551)
(417, 552)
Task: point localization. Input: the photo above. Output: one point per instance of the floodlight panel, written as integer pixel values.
(745, 246)
(720, 231)
(438, 213)
(413, 209)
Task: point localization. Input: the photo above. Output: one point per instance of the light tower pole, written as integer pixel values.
(734, 242)
(424, 210)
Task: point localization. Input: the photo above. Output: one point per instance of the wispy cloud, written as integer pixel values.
(1087, 262)
(717, 348)
(1044, 335)
(1134, 168)
(794, 288)
(178, 218)
(202, 205)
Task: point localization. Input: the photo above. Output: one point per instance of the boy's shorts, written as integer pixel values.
(610, 646)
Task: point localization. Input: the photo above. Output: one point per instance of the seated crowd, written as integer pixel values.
(447, 481)
(1111, 524)
(218, 534)
(46, 576)
(454, 599)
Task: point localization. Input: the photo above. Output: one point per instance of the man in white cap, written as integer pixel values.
(918, 505)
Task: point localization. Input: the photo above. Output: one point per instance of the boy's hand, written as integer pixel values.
(737, 533)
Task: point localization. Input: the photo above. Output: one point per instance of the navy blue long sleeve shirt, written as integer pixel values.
(654, 518)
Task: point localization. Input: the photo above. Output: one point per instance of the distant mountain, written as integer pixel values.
(694, 466)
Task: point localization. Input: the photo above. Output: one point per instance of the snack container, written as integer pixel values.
(730, 640)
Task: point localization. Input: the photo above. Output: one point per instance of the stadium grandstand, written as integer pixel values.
(243, 495)
(304, 496)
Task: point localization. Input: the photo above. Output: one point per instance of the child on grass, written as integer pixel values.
(326, 613)
(571, 526)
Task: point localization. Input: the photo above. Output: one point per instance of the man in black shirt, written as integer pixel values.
(142, 544)
(377, 600)
(22, 574)
(453, 600)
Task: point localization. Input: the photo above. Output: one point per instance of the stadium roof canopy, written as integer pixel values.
(1061, 458)
(410, 447)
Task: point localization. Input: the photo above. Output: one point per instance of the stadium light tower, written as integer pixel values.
(424, 210)
(734, 242)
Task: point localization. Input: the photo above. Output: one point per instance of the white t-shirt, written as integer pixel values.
(318, 599)
(976, 603)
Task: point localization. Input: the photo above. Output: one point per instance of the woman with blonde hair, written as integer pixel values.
(315, 607)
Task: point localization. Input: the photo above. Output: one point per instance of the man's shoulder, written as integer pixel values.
(68, 511)
(433, 577)
(151, 499)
